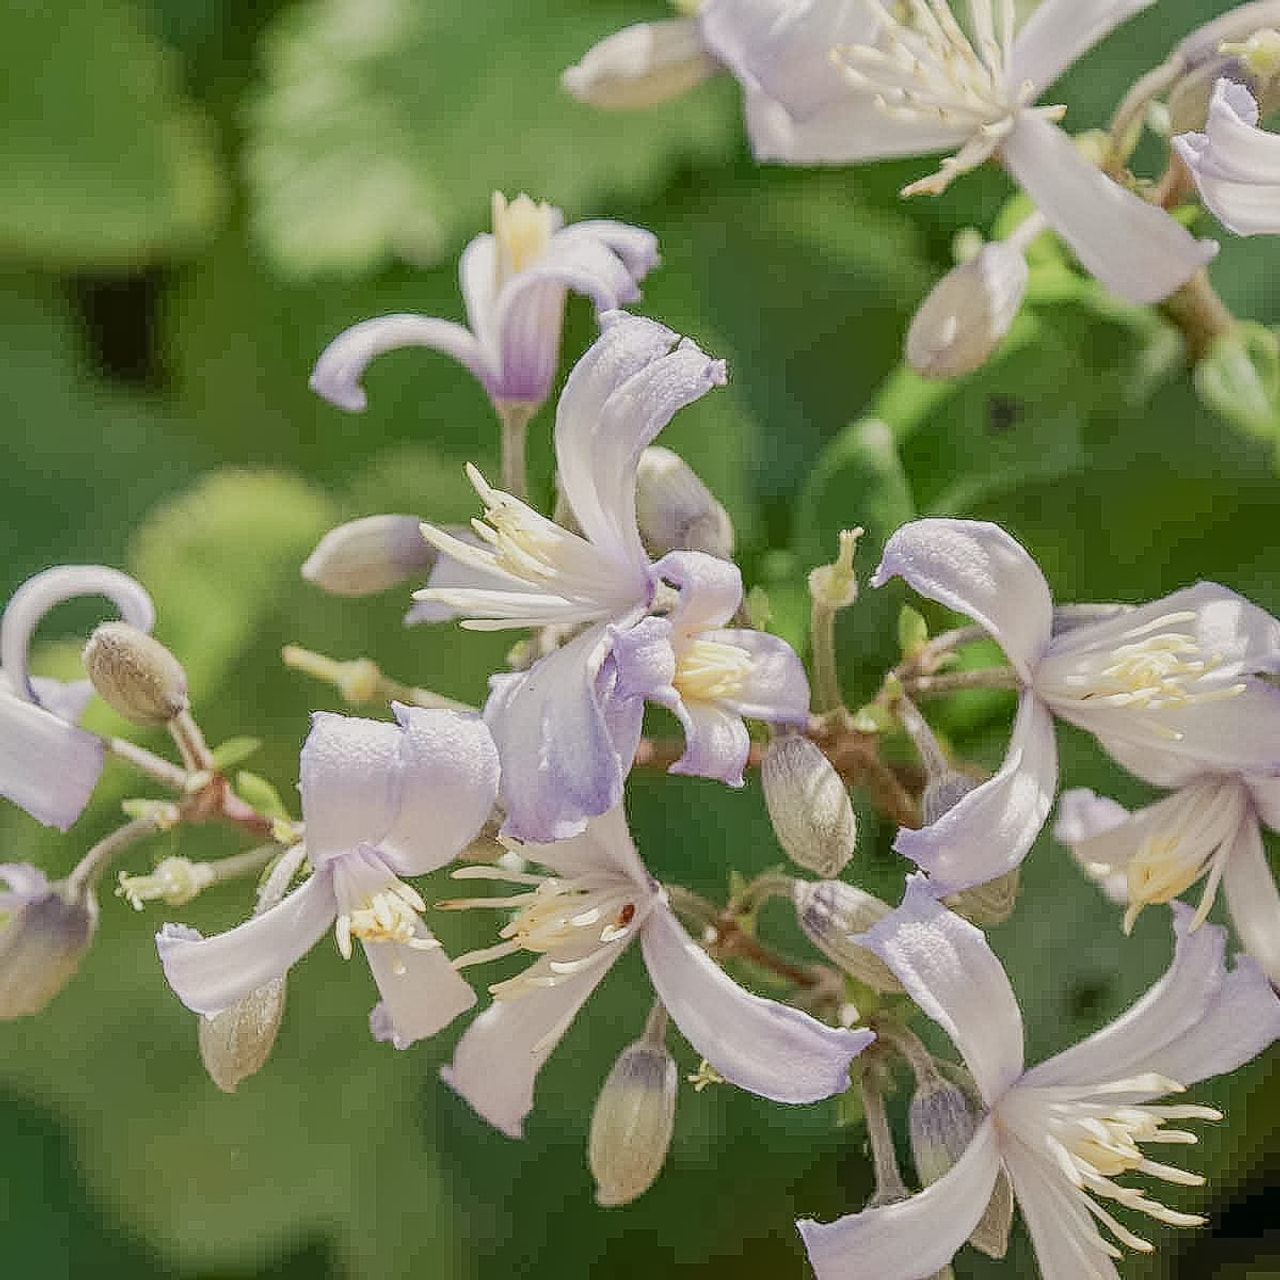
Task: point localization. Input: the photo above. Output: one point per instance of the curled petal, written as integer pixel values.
(1060, 31)
(1135, 248)
(977, 569)
(710, 589)
(759, 1045)
(637, 247)
(47, 766)
(211, 974)
(421, 991)
(1252, 899)
(342, 363)
(913, 1238)
(716, 742)
(949, 970)
(991, 828)
(775, 688)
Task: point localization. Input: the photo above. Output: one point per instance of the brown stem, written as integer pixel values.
(1200, 314)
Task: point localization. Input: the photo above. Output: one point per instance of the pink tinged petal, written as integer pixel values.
(350, 783)
(644, 660)
(531, 320)
(1252, 899)
(478, 273)
(211, 974)
(775, 688)
(1139, 1040)
(421, 990)
(759, 1045)
(1067, 1243)
(448, 769)
(976, 569)
(716, 742)
(497, 1060)
(1134, 248)
(710, 589)
(337, 373)
(1060, 31)
(949, 970)
(990, 829)
(914, 1238)
(637, 247)
(47, 766)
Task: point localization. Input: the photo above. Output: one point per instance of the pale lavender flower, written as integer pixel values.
(1063, 1132)
(1235, 164)
(1210, 828)
(923, 84)
(579, 919)
(567, 729)
(379, 801)
(514, 282)
(45, 929)
(47, 765)
(1171, 685)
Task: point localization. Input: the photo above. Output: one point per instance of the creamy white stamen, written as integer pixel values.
(709, 670)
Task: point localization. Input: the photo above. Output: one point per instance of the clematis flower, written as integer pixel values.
(921, 83)
(48, 766)
(1064, 1132)
(1235, 164)
(578, 920)
(1169, 686)
(514, 282)
(567, 729)
(1210, 828)
(379, 802)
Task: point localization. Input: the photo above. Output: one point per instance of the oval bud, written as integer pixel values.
(135, 674)
(941, 1123)
(969, 310)
(676, 511)
(987, 904)
(363, 557)
(809, 805)
(641, 66)
(235, 1043)
(632, 1123)
(831, 914)
(41, 945)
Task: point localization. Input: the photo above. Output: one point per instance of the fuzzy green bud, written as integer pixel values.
(363, 557)
(809, 805)
(676, 511)
(135, 674)
(235, 1043)
(632, 1123)
(832, 914)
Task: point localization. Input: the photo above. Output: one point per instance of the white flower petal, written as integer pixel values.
(716, 742)
(1060, 31)
(977, 569)
(641, 66)
(775, 689)
(47, 766)
(499, 1056)
(1084, 816)
(478, 276)
(1136, 249)
(1265, 792)
(342, 363)
(916, 1237)
(211, 974)
(349, 777)
(949, 970)
(605, 846)
(1253, 900)
(989, 830)
(710, 588)
(637, 247)
(759, 1045)
(421, 991)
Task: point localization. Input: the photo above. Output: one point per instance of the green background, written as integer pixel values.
(194, 197)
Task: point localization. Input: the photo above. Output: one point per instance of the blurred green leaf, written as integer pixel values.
(258, 792)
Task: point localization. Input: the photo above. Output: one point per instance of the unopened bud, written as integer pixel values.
(1240, 379)
(676, 511)
(46, 931)
(175, 881)
(987, 904)
(632, 1123)
(1259, 55)
(235, 1043)
(363, 557)
(942, 793)
(832, 914)
(641, 66)
(969, 310)
(835, 585)
(941, 1122)
(809, 805)
(135, 674)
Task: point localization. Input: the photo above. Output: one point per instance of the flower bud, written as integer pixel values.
(43, 939)
(632, 1123)
(235, 1043)
(987, 904)
(1239, 378)
(831, 914)
(641, 66)
(941, 1123)
(676, 511)
(809, 805)
(363, 557)
(135, 674)
(943, 791)
(970, 309)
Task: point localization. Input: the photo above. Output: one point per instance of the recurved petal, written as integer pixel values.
(1253, 900)
(637, 247)
(47, 766)
(710, 588)
(775, 688)
(916, 1237)
(1135, 248)
(211, 974)
(497, 1060)
(448, 769)
(1060, 31)
(421, 990)
(767, 1048)
(349, 777)
(716, 742)
(977, 569)
(342, 363)
(990, 829)
(949, 970)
